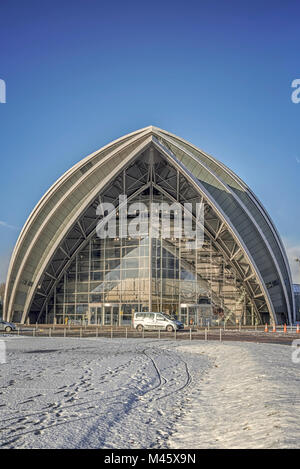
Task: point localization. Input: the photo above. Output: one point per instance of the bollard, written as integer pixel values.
(65, 332)
(159, 333)
(50, 332)
(220, 335)
(80, 333)
(96, 331)
(18, 331)
(190, 333)
(126, 333)
(33, 332)
(175, 334)
(111, 333)
(205, 334)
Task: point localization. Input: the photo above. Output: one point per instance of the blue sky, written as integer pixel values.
(81, 73)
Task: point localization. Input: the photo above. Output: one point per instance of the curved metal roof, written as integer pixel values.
(248, 226)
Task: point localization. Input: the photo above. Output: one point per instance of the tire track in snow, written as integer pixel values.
(111, 387)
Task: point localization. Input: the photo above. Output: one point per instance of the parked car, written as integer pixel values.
(152, 321)
(174, 318)
(7, 326)
(179, 323)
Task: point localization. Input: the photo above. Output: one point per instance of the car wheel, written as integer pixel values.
(8, 329)
(170, 329)
(140, 328)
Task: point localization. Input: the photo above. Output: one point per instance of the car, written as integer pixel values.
(174, 318)
(179, 324)
(7, 326)
(152, 321)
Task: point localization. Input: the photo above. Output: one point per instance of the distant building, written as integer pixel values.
(297, 301)
(62, 271)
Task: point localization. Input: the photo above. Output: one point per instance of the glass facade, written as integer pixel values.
(110, 279)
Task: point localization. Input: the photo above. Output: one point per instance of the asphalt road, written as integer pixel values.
(213, 334)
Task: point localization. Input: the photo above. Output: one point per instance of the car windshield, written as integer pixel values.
(166, 316)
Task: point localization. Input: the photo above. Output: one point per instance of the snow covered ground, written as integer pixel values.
(250, 398)
(118, 393)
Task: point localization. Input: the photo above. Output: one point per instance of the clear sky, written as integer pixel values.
(80, 73)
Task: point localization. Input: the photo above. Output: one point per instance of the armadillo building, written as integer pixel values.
(62, 271)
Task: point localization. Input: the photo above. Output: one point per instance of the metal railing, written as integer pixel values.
(192, 333)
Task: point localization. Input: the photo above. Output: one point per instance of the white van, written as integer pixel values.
(152, 321)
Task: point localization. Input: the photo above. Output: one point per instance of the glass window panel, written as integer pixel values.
(83, 266)
(70, 297)
(59, 298)
(113, 275)
(96, 298)
(83, 277)
(82, 309)
(82, 287)
(95, 254)
(112, 264)
(130, 263)
(82, 297)
(70, 309)
(97, 276)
